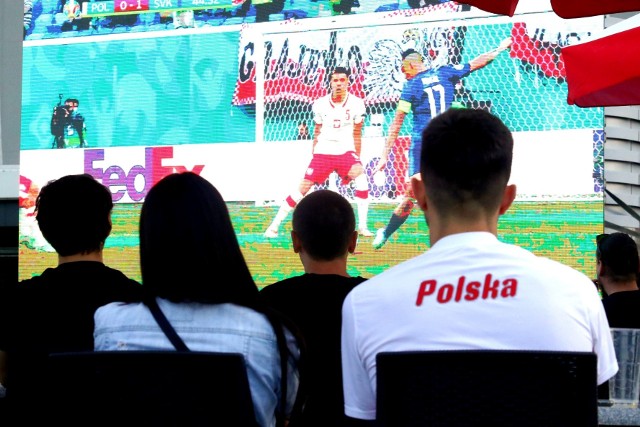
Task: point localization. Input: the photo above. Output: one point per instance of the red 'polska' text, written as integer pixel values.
(467, 290)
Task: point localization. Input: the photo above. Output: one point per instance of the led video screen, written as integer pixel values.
(185, 87)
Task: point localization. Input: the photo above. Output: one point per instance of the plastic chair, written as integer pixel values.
(159, 388)
(486, 388)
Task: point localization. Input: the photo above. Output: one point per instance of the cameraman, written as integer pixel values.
(76, 119)
(65, 120)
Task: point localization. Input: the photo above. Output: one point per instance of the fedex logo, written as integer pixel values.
(120, 181)
(467, 290)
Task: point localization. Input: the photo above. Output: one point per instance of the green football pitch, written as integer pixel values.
(564, 231)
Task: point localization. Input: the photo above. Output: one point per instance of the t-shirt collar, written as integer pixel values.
(471, 238)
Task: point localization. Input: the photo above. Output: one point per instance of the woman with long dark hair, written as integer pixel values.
(194, 272)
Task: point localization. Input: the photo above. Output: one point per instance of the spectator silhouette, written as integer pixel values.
(194, 272)
(617, 268)
(469, 290)
(324, 234)
(53, 312)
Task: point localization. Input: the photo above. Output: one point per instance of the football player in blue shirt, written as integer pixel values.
(427, 93)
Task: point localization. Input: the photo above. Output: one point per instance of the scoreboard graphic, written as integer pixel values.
(125, 7)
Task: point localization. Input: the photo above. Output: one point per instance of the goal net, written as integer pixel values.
(285, 71)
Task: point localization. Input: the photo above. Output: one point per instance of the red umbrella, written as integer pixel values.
(563, 8)
(500, 7)
(584, 8)
(604, 70)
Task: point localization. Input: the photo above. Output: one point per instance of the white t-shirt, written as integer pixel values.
(337, 120)
(469, 291)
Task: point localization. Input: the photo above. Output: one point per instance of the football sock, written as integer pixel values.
(397, 220)
(362, 201)
(394, 223)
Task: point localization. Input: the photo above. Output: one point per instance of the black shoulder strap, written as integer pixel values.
(278, 324)
(164, 324)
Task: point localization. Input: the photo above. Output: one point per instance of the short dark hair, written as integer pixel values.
(74, 100)
(619, 253)
(341, 70)
(324, 221)
(466, 160)
(73, 214)
(188, 246)
(411, 52)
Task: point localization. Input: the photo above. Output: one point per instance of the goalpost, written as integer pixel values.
(286, 67)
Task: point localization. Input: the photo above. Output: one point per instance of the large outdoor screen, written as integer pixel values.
(223, 91)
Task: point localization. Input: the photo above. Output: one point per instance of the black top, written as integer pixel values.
(313, 302)
(623, 309)
(53, 313)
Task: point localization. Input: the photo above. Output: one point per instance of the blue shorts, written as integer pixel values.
(414, 155)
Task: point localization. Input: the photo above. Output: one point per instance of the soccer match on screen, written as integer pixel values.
(131, 91)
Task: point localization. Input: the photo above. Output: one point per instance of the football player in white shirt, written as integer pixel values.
(337, 139)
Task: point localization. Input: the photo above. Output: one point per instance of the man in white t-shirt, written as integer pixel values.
(470, 290)
(337, 138)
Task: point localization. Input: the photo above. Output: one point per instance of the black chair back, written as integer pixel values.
(159, 388)
(487, 388)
